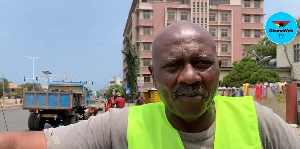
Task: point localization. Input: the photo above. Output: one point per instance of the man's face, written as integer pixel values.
(186, 72)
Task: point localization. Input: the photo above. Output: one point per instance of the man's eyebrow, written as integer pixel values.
(208, 57)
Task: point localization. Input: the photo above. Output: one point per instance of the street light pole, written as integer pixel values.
(3, 89)
(32, 58)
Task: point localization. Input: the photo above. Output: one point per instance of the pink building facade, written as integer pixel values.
(234, 24)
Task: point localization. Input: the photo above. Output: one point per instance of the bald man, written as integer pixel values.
(185, 71)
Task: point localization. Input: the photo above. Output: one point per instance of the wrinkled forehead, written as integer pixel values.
(184, 42)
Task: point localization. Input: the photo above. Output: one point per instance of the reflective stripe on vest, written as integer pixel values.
(236, 126)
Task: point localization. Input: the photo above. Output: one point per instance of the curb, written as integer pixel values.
(10, 106)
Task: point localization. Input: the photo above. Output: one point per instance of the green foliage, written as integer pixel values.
(6, 90)
(28, 86)
(298, 22)
(265, 47)
(248, 72)
(117, 88)
(133, 63)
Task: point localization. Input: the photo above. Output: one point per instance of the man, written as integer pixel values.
(119, 102)
(109, 104)
(185, 71)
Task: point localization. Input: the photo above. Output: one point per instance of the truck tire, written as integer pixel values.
(69, 120)
(38, 123)
(31, 121)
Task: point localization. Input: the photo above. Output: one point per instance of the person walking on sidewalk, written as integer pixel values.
(119, 102)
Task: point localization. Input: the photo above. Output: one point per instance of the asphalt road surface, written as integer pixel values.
(16, 119)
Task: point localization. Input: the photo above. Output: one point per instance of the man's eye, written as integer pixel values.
(172, 65)
(204, 63)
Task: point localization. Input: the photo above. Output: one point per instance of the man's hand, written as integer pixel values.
(23, 140)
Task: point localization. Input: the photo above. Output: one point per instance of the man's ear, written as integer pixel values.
(220, 63)
(151, 69)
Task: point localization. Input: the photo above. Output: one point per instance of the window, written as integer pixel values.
(146, 30)
(245, 47)
(224, 62)
(246, 3)
(184, 15)
(197, 20)
(212, 16)
(224, 17)
(205, 7)
(297, 53)
(256, 4)
(247, 18)
(247, 33)
(194, 6)
(256, 19)
(146, 14)
(171, 15)
(212, 32)
(147, 46)
(201, 7)
(197, 6)
(146, 77)
(194, 20)
(224, 32)
(224, 47)
(257, 33)
(201, 20)
(146, 61)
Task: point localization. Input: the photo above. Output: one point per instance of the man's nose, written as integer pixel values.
(189, 75)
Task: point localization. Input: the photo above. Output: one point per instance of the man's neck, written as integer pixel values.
(201, 124)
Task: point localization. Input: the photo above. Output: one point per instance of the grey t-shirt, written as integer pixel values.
(109, 130)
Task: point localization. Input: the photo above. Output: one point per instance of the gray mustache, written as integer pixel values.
(190, 90)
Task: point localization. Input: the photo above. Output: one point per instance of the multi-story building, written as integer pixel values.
(115, 80)
(234, 24)
(289, 56)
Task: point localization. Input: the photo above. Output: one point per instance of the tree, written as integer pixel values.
(248, 72)
(298, 22)
(6, 90)
(118, 89)
(133, 64)
(265, 47)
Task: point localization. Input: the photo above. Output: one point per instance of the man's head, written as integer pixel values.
(118, 94)
(185, 69)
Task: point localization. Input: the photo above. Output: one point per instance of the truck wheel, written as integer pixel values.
(38, 123)
(72, 119)
(69, 120)
(31, 121)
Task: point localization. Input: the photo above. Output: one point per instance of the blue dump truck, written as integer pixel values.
(63, 103)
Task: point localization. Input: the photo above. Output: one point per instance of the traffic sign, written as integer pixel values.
(127, 90)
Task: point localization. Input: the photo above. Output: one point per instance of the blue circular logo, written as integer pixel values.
(281, 28)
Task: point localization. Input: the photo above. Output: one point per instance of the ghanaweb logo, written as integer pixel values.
(281, 28)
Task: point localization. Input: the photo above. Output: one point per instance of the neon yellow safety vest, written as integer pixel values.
(236, 126)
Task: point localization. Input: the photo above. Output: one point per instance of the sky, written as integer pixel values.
(76, 37)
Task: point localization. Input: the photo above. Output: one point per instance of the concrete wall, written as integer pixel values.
(271, 102)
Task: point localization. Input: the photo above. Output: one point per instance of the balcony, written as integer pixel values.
(145, 22)
(146, 54)
(224, 38)
(250, 40)
(145, 38)
(259, 26)
(257, 11)
(171, 21)
(144, 6)
(144, 70)
(225, 54)
(225, 23)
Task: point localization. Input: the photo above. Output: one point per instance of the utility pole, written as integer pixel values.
(3, 88)
(32, 58)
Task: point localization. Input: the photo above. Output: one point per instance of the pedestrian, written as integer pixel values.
(149, 99)
(186, 72)
(119, 102)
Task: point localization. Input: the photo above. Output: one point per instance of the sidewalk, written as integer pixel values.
(10, 103)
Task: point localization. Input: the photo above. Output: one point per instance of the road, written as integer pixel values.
(16, 119)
